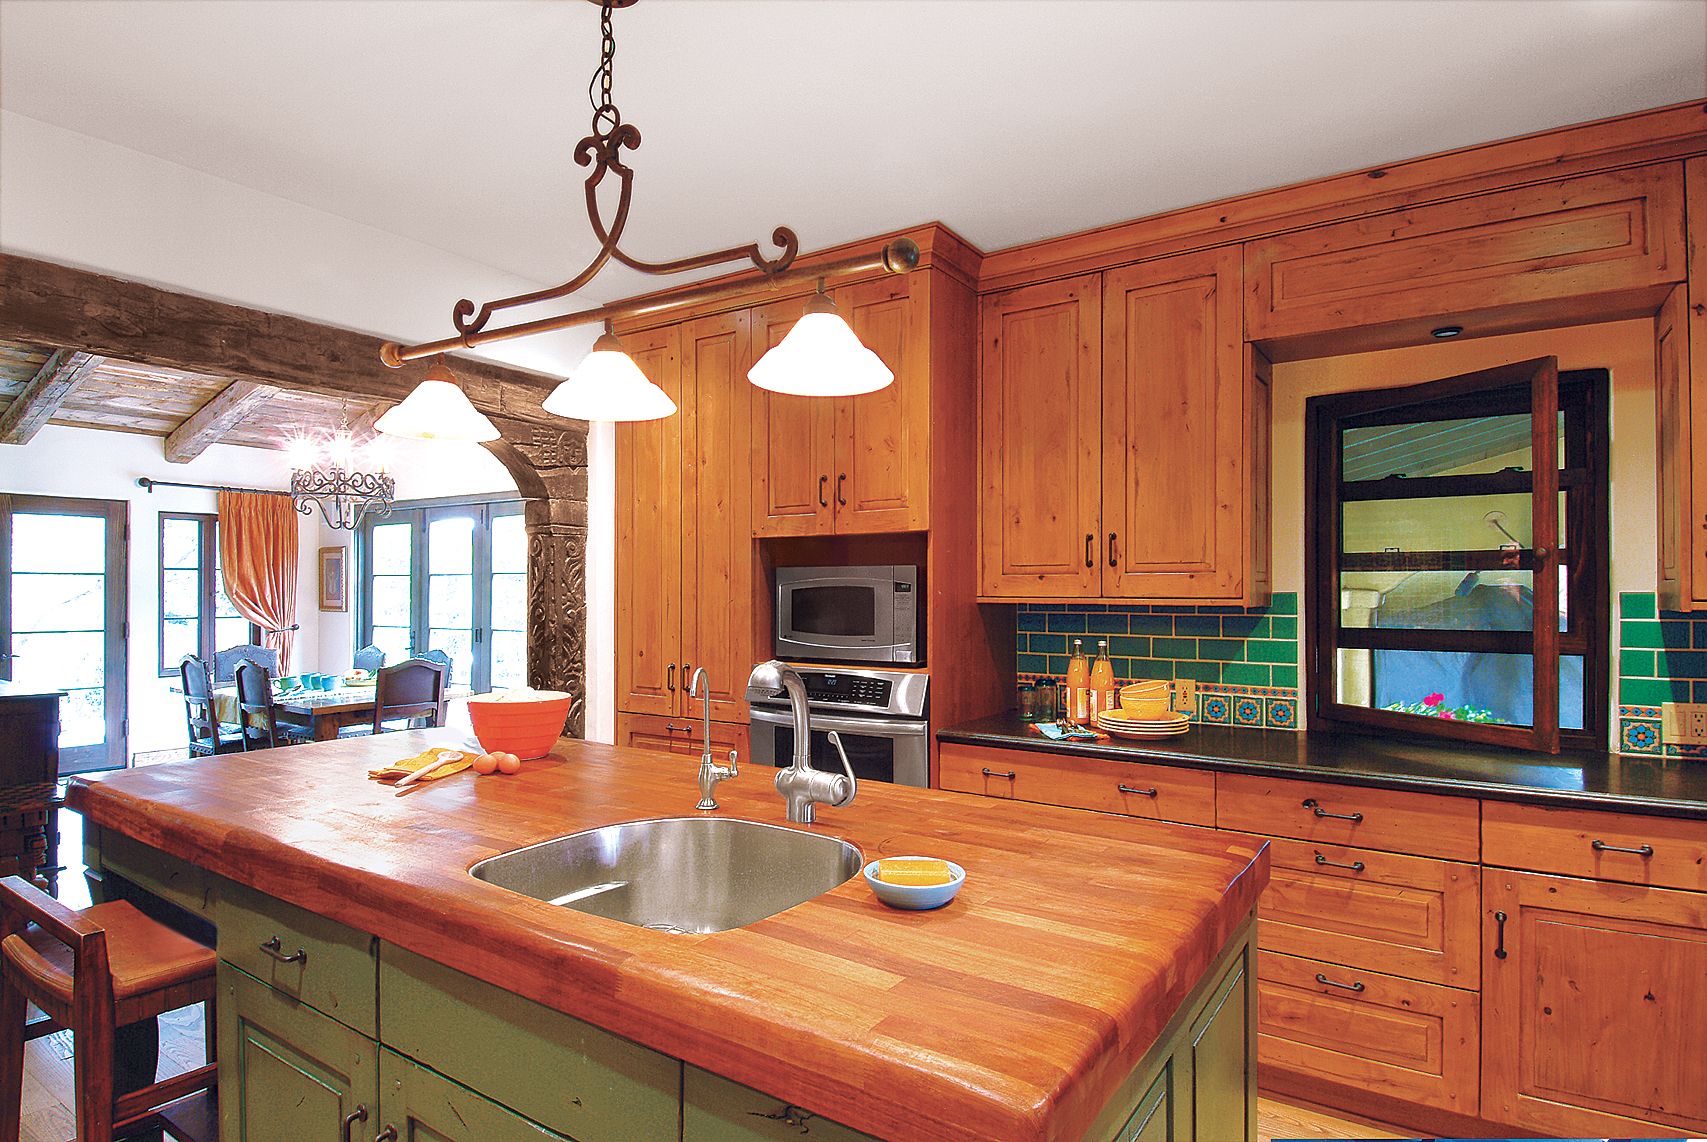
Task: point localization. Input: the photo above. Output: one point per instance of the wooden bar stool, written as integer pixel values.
(94, 971)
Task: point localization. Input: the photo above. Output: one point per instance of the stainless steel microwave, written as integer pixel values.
(848, 614)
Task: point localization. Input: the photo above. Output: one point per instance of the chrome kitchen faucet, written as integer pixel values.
(801, 786)
(710, 773)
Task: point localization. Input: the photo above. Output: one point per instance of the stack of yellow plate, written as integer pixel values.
(1125, 725)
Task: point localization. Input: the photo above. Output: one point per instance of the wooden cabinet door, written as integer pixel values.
(423, 1106)
(286, 1072)
(1594, 994)
(1174, 411)
(1040, 440)
(793, 465)
(717, 536)
(649, 537)
(882, 445)
(1680, 362)
(1223, 1045)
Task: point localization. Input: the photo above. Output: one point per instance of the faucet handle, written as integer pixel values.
(853, 782)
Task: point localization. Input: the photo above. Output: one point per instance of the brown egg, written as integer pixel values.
(484, 764)
(509, 763)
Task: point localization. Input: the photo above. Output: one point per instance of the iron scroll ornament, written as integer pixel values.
(603, 151)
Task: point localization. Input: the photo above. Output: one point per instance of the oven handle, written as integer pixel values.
(871, 727)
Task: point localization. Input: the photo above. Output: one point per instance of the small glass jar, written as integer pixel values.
(1026, 702)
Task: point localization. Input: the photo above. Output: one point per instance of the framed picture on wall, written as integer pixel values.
(334, 579)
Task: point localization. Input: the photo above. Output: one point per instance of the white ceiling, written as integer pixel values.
(452, 122)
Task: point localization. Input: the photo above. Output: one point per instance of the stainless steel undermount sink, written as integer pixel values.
(677, 874)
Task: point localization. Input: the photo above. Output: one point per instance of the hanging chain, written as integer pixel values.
(606, 118)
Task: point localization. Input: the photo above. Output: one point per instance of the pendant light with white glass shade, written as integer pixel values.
(608, 385)
(821, 357)
(438, 409)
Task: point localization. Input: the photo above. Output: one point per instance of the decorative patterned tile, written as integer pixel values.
(1282, 714)
(1215, 708)
(1248, 711)
(1638, 736)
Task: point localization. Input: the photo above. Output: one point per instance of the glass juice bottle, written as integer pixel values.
(1102, 681)
(1079, 685)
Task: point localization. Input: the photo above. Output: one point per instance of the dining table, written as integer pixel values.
(317, 714)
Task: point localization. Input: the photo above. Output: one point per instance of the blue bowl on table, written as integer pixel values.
(915, 897)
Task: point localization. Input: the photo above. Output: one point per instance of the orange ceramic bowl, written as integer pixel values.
(527, 729)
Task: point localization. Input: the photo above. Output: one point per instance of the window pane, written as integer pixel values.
(450, 545)
(1461, 686)
(459, 644)
(181, 594)
(450, 600)
(178, 637)
(1447, 523)
(221, 601)
(231, 632)
(1572, 699)
(394, 641)
(1438, 600)
(391, 601)
(59, 543)
(509, 659)
(180, 543)
(509, 602)
(82, 718)
(509, 544)
(58, 660)
(391, 549)
(58, 602)
(1468, 446)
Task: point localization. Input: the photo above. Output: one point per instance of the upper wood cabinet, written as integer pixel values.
(850, 464)
(1040, 440)
(684, 584)
(1601, 234)
(1680, 375)
(1124, 438)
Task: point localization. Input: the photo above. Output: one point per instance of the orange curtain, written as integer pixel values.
(257, 555)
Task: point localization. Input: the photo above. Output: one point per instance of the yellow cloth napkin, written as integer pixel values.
(434, 757)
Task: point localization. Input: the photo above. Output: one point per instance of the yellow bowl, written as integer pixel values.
(1145, 706)
(1148, 689)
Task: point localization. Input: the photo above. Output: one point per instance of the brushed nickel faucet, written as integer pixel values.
(710, 773)
(801, 786)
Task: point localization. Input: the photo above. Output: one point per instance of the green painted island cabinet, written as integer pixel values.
(325, 1032)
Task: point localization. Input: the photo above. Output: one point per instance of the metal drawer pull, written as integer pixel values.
(671, 727)
(1140, 792)
(1639, 850)
(1354, 866)
(671, 682)
(359, 1114)
(275, 948)
(1090, 559)
(1499, 943)
(1010, 774)
(1326, 982)
(822, 502)
(389, 1134)
(1311, 804)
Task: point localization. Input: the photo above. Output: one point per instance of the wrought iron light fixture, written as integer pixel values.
(608, 385)
(327, 473)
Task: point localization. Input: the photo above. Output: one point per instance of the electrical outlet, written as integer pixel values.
(1185, 694)
(1684, 723)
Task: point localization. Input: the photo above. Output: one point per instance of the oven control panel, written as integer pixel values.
(884, 693)
(847, 689)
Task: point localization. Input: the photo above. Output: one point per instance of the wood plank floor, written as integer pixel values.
(1283, 1120)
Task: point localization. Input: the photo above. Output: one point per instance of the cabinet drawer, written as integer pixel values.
(1160, 792)
(1414, 917)
(331, 966)
(1669, 852)
(1597, 234)
(163, 875)
(680, 735)
(425, 1107)
(1422, 824)
(1414, 1041)
(715, 1109)
(573, 1078)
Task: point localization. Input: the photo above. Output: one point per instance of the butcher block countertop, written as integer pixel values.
(1012, 1013)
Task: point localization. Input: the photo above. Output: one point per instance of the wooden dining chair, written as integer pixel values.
(225, 661)
(260, 728)
(411, 691)
(93, 971)
(207, 735)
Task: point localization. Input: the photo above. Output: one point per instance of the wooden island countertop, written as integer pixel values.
(1012, 1013)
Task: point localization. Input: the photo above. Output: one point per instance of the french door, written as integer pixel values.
(451, 578)
(62, 617)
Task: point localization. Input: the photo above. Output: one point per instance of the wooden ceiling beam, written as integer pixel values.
(362, 429)
(41, 398)
(42, 303)
(215, 418)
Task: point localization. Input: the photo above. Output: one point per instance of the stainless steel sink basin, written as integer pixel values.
(677, 874)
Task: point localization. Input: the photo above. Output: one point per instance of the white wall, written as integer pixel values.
(90, 464)
(74, 199)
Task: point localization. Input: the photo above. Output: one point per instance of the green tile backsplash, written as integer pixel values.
(1662, 657)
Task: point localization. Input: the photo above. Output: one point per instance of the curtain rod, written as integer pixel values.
(148, 485)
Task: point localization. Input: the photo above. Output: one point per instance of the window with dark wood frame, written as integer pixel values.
(1455, 593)
(195, 615)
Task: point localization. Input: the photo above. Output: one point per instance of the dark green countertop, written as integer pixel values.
(1660, 786)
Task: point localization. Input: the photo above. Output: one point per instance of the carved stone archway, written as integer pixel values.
(54, 307)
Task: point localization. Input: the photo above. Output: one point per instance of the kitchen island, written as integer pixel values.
(1090, 980)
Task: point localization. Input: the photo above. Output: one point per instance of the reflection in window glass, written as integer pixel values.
(1462, 686)
(1459, 447)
